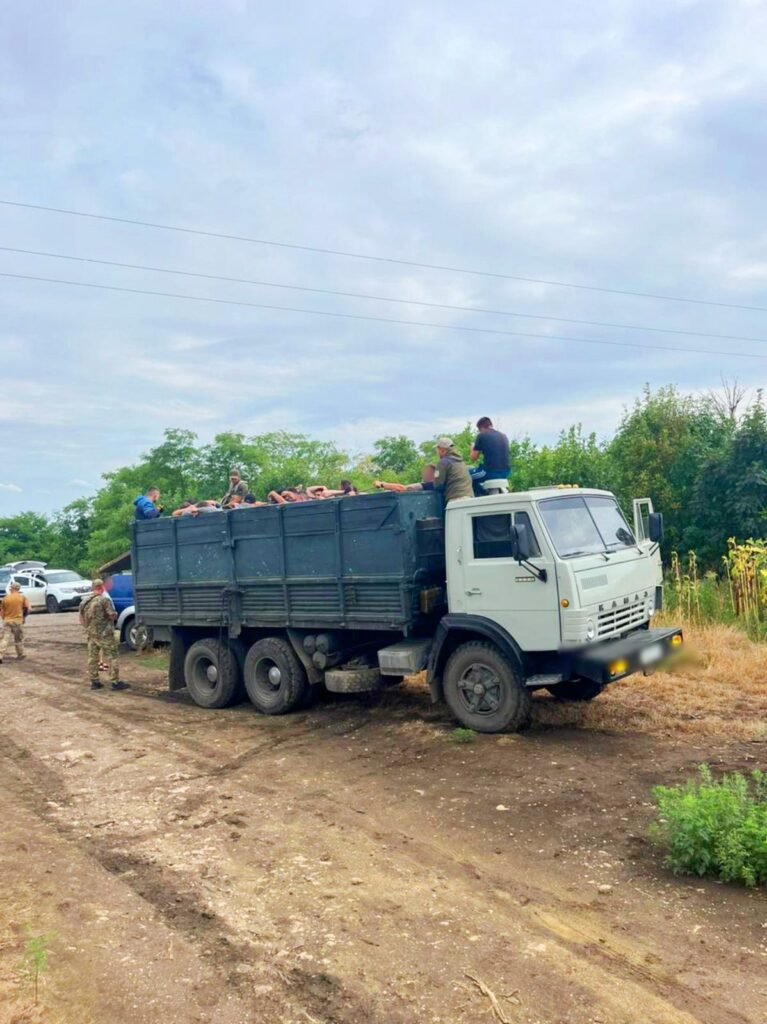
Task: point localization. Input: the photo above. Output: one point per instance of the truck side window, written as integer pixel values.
(492, 534)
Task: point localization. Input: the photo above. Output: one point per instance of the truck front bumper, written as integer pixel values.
(642, 651)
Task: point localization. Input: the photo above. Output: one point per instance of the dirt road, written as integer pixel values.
(350, 864)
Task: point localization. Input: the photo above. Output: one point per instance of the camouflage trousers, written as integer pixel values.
(102, 646)
(12, 629)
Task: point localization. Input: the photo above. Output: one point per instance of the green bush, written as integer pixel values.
(715, 828)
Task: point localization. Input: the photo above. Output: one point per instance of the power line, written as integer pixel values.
(379, 319)
(381, 298)
(380, 259)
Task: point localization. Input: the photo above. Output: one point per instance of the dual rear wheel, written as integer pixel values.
(270, 674)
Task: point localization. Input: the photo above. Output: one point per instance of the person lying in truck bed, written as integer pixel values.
(249, 501)
(289, 496)
(348, 490)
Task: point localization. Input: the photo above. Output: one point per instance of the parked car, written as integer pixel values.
(53, 590)
(64, 589)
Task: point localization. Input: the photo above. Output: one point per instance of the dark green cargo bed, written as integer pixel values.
(351, 563)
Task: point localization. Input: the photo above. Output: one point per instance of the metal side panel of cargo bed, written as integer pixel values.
(354, 563)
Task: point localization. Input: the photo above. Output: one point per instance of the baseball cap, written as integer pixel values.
(444, 442)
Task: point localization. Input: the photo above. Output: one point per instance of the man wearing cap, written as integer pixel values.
(14, 609)
(451, 475)
(237, 486)
(98, 616)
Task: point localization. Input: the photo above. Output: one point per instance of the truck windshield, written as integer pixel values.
(585, 525)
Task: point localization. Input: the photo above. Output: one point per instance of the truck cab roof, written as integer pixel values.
(533, 494)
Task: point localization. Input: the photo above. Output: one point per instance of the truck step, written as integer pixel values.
(544, 679)
(404, 658)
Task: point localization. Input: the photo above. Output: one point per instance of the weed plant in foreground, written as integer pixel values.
(717, 828)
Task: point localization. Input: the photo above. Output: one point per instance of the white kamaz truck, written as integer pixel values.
(494, 597)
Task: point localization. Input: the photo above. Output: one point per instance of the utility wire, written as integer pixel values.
(381, 298)
(379, 319)
(380, 259)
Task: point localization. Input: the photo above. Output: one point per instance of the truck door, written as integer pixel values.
(497, 587)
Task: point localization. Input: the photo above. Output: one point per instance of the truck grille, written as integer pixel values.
(620, 620)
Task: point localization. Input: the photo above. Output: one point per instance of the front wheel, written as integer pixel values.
(211, 673)
(483, 690)
(51, 604)
(576, 689)
(274, 677)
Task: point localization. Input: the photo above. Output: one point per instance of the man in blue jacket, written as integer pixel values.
(146, 504)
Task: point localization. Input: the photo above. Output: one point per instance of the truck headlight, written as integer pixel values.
(650, 609)
(591, 630)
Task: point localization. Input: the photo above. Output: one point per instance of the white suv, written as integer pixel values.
(54, 590)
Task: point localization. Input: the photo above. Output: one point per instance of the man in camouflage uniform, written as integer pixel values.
(97, 616)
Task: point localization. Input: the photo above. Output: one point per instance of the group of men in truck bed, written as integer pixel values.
(449, 475)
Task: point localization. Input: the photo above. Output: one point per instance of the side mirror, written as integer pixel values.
(655, 527)
(520, 543)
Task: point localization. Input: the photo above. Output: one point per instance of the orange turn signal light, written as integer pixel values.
(564, 603)
(617, 668)
(676, 641)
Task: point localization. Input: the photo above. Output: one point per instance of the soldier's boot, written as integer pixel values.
(96, 684)
(120, 686)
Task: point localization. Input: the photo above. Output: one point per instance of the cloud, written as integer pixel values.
(11, 488)
(614, 145)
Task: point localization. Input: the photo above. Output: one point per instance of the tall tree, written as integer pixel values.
(731, 493)
(659, 452)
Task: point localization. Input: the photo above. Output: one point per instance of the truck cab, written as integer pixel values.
(555, 580)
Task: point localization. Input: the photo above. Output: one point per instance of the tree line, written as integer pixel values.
(702, 459)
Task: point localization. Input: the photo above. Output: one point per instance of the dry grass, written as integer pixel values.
(718, 688)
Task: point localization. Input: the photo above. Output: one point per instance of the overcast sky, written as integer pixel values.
(612, 143)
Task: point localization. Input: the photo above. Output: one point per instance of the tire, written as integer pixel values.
(358, 680)
(501, 704)
(136, 637)
(52, 605)
(275, 680)
(576, 689)
(211, 673)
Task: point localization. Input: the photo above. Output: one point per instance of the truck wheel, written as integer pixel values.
(211, 673)
(483, 690)
(274, 677)
(576, 689)
(51, 604)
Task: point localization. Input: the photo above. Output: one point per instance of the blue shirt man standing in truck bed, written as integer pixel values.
(493, 446)
(146, 504)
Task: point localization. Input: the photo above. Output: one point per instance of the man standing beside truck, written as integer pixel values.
(14, 609)
(98, 617)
